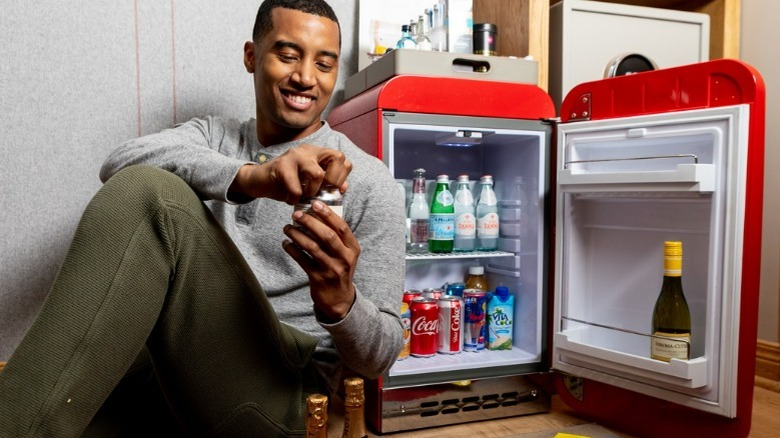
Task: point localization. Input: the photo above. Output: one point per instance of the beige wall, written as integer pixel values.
(760, 35)
(77, 78)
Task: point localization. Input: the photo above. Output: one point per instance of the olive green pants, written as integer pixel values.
(153, 290)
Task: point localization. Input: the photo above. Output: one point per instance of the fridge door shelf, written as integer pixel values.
(697, 178)
(690, 374)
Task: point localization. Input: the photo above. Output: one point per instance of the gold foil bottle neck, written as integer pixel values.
(353, 387)
(354, 408)
(317, 416)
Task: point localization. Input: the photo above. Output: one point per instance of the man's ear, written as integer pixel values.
(249, 56)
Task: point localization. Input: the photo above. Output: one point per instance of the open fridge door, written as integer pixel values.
(674, 154)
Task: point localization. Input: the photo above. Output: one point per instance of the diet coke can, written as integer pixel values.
(430, 292)
(425, 327)
(450, 324)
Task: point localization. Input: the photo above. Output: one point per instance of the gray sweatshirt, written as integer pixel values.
(207, 153)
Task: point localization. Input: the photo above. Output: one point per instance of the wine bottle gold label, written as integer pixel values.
(666, 346)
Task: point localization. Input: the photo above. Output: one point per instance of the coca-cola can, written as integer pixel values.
(425, 327)
(475, 324)
(410, 294)
(450, 324)
(430, 292)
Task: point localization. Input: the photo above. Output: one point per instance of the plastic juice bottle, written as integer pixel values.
(500, 315)
(476, 278)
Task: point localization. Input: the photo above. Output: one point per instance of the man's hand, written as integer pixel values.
(328, 253)
(297, 173)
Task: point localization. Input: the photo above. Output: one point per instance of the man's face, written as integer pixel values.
(295, 68)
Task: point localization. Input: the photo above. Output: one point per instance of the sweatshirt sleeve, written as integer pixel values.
(203, 152)
(369, 338)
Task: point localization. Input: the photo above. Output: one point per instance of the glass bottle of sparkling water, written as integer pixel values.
(487, 216)
(419, 210)
(441, 228)
(465, 221)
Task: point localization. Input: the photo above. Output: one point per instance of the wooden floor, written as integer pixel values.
(765, 423)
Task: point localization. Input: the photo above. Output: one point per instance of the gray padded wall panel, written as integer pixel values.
(77, 79)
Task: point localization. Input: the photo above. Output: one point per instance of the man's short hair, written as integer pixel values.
(264, 23)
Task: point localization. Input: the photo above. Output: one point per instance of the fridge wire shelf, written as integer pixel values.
(457, 255)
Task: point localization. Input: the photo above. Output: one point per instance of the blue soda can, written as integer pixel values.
(455, 289)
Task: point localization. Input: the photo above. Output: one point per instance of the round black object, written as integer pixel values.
(485, 37)
(628, 63)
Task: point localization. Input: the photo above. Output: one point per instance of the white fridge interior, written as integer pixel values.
(506, 149)
(624, 187)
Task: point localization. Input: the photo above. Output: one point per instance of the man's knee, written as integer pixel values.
(146, 186)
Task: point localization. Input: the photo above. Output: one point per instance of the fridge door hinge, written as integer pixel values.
(552, 121)
(574, 385)
(581, 109)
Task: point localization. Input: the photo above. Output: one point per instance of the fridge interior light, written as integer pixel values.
(462, 138)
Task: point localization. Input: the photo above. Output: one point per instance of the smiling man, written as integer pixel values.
(188, 255)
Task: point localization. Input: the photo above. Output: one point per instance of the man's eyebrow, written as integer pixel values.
(282, 44)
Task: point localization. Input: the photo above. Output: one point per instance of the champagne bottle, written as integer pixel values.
(671, 317)
(317, 416)
(354, 409)
(441, 223)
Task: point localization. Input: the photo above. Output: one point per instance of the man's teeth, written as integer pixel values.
(300, 99)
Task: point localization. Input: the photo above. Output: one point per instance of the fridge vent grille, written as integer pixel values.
(473, 403)
(416, 407)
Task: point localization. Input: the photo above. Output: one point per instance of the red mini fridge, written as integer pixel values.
(632, 161)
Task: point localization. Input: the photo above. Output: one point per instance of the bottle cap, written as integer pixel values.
(502, 291)
(476, 270)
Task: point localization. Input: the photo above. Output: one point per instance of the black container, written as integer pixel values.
(485, 39)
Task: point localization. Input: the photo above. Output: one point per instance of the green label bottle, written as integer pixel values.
(441, 221)
(671, 317)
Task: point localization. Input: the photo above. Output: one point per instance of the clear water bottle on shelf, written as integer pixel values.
(465, 219)
(438, 33)
(487, 216)
(419, 211)
(422, 40)
(406, 41)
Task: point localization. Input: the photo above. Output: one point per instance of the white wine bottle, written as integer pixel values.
(671, 317)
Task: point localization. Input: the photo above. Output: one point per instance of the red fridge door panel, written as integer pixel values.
(703, 85)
